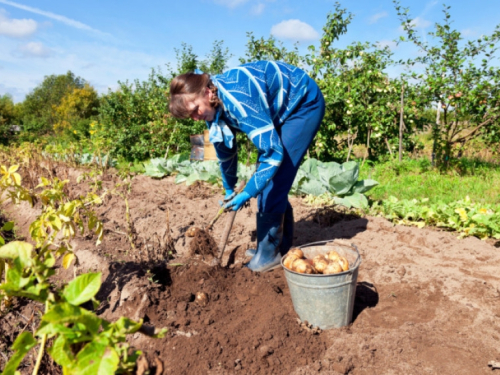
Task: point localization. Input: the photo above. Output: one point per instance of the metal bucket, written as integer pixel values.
(197, 147)
(325, 301)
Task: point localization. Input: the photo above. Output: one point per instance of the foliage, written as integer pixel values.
(77, 105)
(462, 79)
(6, 227)
(190, 172)
(9, 115)
(135, 123)
(269, 49)
(340, 181)
(217, 59)
(363, 106)
(313, 177)
(464, 216)
(39, 109)
(187, 60)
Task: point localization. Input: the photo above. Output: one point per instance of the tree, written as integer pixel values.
(362, 102)
(217, 59)
(136, 121)
(77, 107)
(8, 117)
(269, 49)
(466, 91)
(39, 113)
(187, 60)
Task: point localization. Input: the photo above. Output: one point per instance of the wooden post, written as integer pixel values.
(401, 124)
(436, 126)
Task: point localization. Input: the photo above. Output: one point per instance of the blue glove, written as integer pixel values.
(237, 202)
(229, 194)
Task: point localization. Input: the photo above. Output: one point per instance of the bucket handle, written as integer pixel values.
(357, 262)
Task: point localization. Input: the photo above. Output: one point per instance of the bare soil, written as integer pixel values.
(426, 302)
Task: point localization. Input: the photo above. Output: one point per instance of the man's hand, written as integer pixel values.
(238, 201)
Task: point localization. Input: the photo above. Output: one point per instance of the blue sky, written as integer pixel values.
(104, 41)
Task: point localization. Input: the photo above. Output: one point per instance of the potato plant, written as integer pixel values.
(466, 217)
(82, 342)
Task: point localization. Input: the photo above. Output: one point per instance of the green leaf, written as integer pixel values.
(313, 187)
(66, 313)
(342, 182)
(8, 226)
(50, 260)
(356, 200)
(363, 186)
(23, 344)
(96, 359)
(124, 326)
(52, 329)
(17, 249)
(83, 288)
(61, 352)
(310, 166)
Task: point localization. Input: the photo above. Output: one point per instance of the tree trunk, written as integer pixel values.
(401, 124)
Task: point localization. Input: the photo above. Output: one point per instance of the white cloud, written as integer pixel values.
(16, 28)
(257, 9)
(468, 32)
(57, 17)
(417, 23)
(378, 16)
(294, 30)
(420, 22)
(229, 3)
(389, 43)
(33, 49)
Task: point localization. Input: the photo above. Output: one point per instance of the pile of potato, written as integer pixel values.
(325, 264)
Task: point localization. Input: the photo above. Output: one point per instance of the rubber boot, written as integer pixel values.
(269, 236)
(288, 225)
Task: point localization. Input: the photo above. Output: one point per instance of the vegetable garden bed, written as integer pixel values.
(425, 302)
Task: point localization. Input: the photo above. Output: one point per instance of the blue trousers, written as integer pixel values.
(297, 134)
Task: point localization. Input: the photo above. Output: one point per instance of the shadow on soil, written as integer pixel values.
(366, 297)
(121, 273)
(328, 224)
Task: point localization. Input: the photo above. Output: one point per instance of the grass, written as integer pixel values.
(418, 179)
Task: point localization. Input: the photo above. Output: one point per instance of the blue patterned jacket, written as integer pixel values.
(258, 97)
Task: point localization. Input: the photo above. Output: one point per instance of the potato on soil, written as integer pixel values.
(332, 268)
(191, 231)
(201, 298)
(297, 252)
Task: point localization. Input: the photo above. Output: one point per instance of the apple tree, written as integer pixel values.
(363, 104)
(461, 80)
